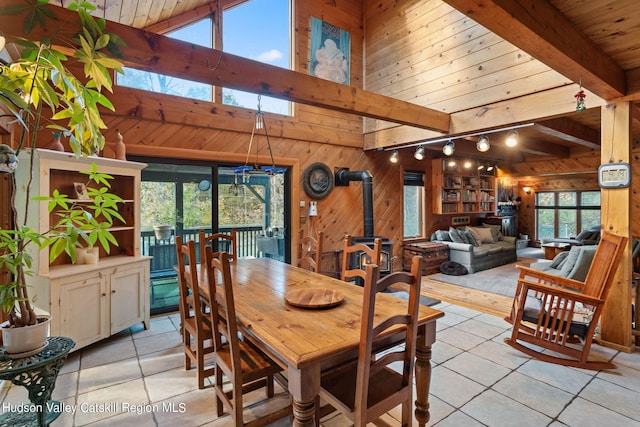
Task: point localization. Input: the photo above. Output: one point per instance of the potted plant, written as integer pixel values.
(40, 91)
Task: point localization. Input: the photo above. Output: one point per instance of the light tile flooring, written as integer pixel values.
(137, 378)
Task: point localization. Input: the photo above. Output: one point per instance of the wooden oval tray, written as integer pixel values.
(314, 298)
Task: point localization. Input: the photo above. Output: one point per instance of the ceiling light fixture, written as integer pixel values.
(467, 164)
(512, 139)
(483, 144)
(419, 154)
(394, 156)
(449, 148)
(490, 168)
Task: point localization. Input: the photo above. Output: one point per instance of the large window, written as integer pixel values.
(257, 29)
(566, 213)
(199, 33)
(413, 204)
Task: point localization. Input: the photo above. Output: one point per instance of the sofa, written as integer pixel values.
(478, 248)
(575, 263)
(572, 264)
(586, 237)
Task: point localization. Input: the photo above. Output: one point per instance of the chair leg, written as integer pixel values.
(270, 388)
(186, 341)
(200, 363)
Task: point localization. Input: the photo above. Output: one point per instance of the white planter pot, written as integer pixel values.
(26, 338)
(162, 232)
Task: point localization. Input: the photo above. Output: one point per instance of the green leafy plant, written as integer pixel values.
(40, 91)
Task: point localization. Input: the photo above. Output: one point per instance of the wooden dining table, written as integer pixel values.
(306, 341)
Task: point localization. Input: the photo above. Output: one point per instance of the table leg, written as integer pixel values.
(426, 337)
(304, 387)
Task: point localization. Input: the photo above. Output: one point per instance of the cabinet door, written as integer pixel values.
(83, 306)
(129, 299)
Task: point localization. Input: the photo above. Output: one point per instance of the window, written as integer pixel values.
(199, 33)
(258, 30)
(413, 204)
(566, 213)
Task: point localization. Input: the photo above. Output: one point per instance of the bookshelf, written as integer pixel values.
(459, 190)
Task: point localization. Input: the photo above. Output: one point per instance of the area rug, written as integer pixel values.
(499, 280)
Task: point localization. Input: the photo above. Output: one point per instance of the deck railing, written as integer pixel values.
(164, 251)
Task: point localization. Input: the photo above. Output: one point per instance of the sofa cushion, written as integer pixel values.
(570, 261)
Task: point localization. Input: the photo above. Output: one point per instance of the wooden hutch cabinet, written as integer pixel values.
(457, 189)
(87, 302)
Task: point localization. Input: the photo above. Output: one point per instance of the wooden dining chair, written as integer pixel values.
(243, 364)
(218, 241)
(310, 251)
(193, 320)
(370, 255)
(554, 318)
(372, 385)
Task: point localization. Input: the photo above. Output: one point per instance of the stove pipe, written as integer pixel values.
(367, 195)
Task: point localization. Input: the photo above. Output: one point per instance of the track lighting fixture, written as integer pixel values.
(483, 144)
(419, 154)
(449, 148)
(490, 168)
(512, 139)
(394, 156)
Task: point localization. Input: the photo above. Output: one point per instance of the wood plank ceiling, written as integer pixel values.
(561, 42)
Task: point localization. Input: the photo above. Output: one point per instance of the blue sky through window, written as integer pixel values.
(259, 30)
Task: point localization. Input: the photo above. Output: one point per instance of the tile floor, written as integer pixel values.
(136, 378)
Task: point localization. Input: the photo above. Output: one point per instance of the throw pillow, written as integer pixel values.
(472, 238)
(495, 231)
(465, 237)
(484, 235)
(557, 260)
(455, 236)
(443, 235)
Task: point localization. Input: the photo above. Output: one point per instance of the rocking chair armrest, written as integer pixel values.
(525, 285)
(551, 279)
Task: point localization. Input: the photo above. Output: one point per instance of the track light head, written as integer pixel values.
(419, 154)
(394, 156)
(483, 144)
(449, 148)
(512, 138)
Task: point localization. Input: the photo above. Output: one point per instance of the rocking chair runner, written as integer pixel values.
(551, 311)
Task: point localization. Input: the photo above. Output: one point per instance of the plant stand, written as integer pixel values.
(38, 374)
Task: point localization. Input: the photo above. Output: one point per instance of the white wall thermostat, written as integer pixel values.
(614, 175)
(313, 208)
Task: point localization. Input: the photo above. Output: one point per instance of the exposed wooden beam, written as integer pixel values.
(154, 52)
(571, 131)
(538, 28)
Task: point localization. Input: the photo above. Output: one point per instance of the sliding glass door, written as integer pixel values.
(180, 199)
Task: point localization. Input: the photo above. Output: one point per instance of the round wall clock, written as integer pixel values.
(317, 181)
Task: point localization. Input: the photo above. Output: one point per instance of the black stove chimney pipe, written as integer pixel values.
(367, 195)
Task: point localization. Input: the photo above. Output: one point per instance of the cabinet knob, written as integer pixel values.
(113, 291)
(104, 295)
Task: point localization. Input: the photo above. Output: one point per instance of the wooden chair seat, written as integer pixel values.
(555, 318)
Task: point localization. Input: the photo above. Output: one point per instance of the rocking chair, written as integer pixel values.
(560, 315)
